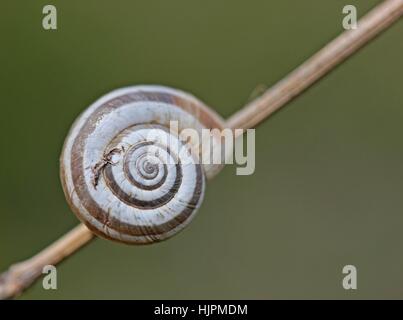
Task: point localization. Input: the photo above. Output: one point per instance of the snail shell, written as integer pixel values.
(120, 168)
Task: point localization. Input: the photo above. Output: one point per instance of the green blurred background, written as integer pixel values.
(327, 190)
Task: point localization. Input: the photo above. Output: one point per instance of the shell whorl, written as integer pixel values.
(125, 174)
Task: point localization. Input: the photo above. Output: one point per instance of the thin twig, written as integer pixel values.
(20, 276)
(318, 65)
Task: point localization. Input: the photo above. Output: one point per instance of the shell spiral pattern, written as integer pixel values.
(125, 174)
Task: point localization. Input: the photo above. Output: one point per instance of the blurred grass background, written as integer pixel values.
(327, 190)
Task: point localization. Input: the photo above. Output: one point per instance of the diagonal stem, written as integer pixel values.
(318, 65)
(22, 275)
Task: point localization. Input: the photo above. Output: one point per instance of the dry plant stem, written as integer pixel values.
(20, 276)
(318, 65)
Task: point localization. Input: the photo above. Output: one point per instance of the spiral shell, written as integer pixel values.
(125, 174)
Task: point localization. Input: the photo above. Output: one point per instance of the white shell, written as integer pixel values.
(121, 170)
